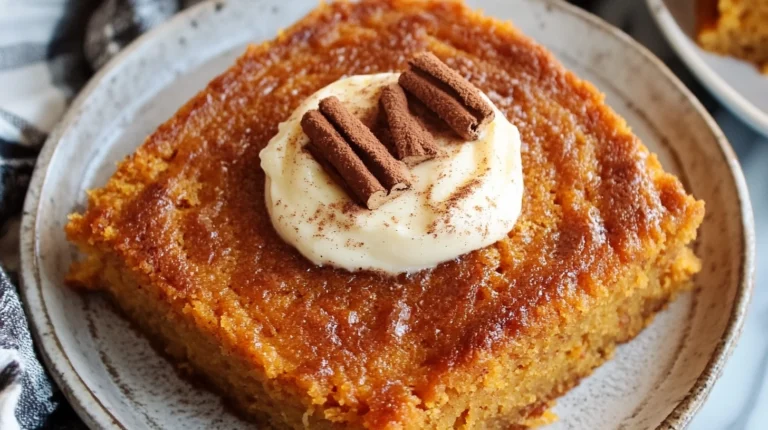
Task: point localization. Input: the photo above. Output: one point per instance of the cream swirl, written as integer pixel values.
(463, 201)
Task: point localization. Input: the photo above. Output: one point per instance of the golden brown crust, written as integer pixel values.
(187, 212)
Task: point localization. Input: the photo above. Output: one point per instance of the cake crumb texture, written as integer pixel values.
(735, 27)
(181, 240)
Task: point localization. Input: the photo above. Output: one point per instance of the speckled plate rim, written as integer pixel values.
(717, 85)
(93, 412)
(684, 412)
(85, 403)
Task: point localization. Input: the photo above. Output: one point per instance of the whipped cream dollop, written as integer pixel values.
(465, 200)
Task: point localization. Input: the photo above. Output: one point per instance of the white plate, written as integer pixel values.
(737, 84)
(115, 379)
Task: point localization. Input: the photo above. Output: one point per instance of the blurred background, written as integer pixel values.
(71, 53)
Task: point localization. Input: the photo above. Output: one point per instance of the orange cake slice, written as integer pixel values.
(180, 239)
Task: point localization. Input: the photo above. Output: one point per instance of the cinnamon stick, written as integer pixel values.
(348, 150)
(454, 99)
(413, 143)
(392, 174)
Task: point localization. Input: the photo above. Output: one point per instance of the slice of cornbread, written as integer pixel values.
(180, 239)
(735, 27)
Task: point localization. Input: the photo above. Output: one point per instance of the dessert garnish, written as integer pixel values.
(445, 92)
(466, 198)
(337, 137)
(413, 144)
(355, 157)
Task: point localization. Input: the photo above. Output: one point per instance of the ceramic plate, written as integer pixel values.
(737, 84)
(116, 380)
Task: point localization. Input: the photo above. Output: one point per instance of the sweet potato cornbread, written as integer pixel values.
(180, 239)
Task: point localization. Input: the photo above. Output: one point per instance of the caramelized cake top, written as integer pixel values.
(187, 210)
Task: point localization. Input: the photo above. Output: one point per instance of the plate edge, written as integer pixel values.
(742, 108)
(99, 417)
